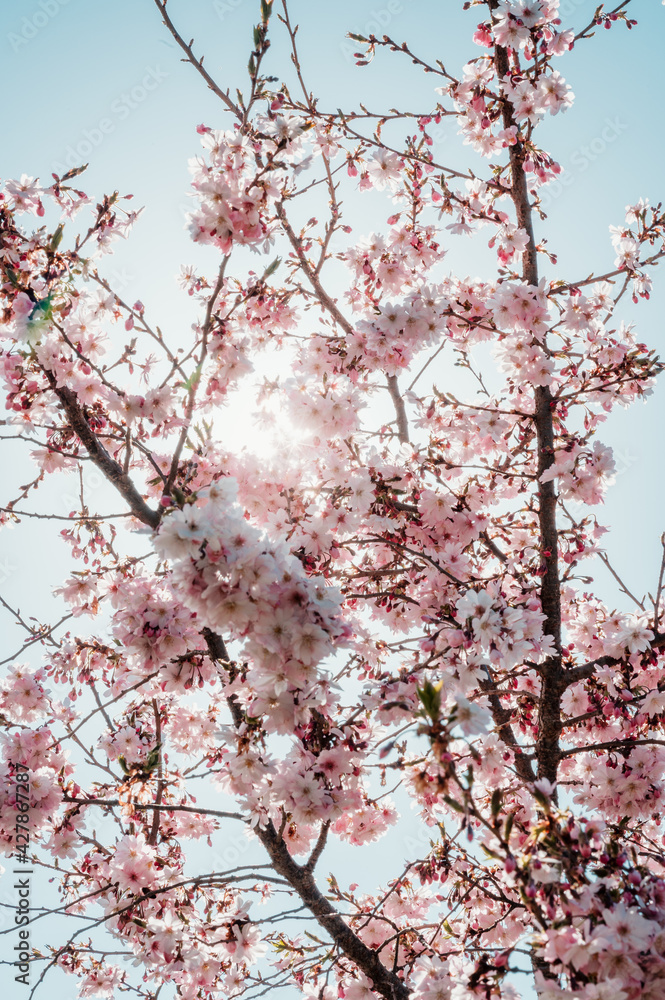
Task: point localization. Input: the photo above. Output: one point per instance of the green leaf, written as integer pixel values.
(454, 805)
(541, 799)
(497, 798)
(178, 495)
(193, 379)
(56, 239)
(43, 312)
(430, 697)
(152, 760)
(271, 268)
(11, 274)
(266, 10)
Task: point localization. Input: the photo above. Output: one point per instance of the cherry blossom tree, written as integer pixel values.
(391, 610)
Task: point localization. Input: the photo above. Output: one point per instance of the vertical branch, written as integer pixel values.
(196, 377)
(659, 591)
(549, 712)
(333, 222)
(400, 409)
(154, 830)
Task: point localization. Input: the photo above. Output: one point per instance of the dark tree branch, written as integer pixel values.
(99, 455)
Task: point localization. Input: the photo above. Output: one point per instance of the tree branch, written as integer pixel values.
(99, 455)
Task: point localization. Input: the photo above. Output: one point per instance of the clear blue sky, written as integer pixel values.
(101, 80)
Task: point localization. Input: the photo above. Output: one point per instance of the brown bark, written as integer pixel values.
(300, 878)
(548, 753)
(99, 455)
